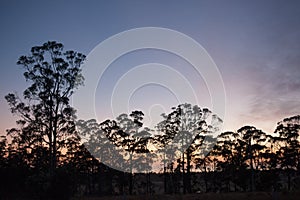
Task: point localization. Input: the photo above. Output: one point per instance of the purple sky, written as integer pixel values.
(255, 44)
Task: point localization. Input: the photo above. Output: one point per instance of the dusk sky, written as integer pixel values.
(254, 44)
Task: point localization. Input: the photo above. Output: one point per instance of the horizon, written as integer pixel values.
(255, 46)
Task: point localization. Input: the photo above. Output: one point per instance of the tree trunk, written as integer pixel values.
(165, 180)
(289, 180)
(188, 171)
(252, 168)
(183, 175)
(205, 176)
(165, 175)
(130, 176)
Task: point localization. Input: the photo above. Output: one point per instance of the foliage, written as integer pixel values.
(51, 155)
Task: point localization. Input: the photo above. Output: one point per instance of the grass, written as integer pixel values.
(206, 196)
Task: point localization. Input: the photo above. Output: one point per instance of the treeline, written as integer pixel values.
(245, 160)
(191, 159)
(53, 155)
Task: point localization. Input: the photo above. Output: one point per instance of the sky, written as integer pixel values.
(254, 44)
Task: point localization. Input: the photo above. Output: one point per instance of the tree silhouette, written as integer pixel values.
(96, 141)
(125, 133)
(46, 116)
(251, 141)
(187, 126)
(162, 143)
(50, 155)
(242, 150)
(289, 131)
(203, 156)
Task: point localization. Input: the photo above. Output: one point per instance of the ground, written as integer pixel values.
(207, 196)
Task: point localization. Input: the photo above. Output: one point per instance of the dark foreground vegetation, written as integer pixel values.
(53, 155)
(210, 196)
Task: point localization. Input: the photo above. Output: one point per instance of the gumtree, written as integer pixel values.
(96, 141)
(128, 134)
(251, 143)
(289, 133)
(188, 126)
(46, 117)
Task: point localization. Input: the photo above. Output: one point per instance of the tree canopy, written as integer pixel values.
(53, 155)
